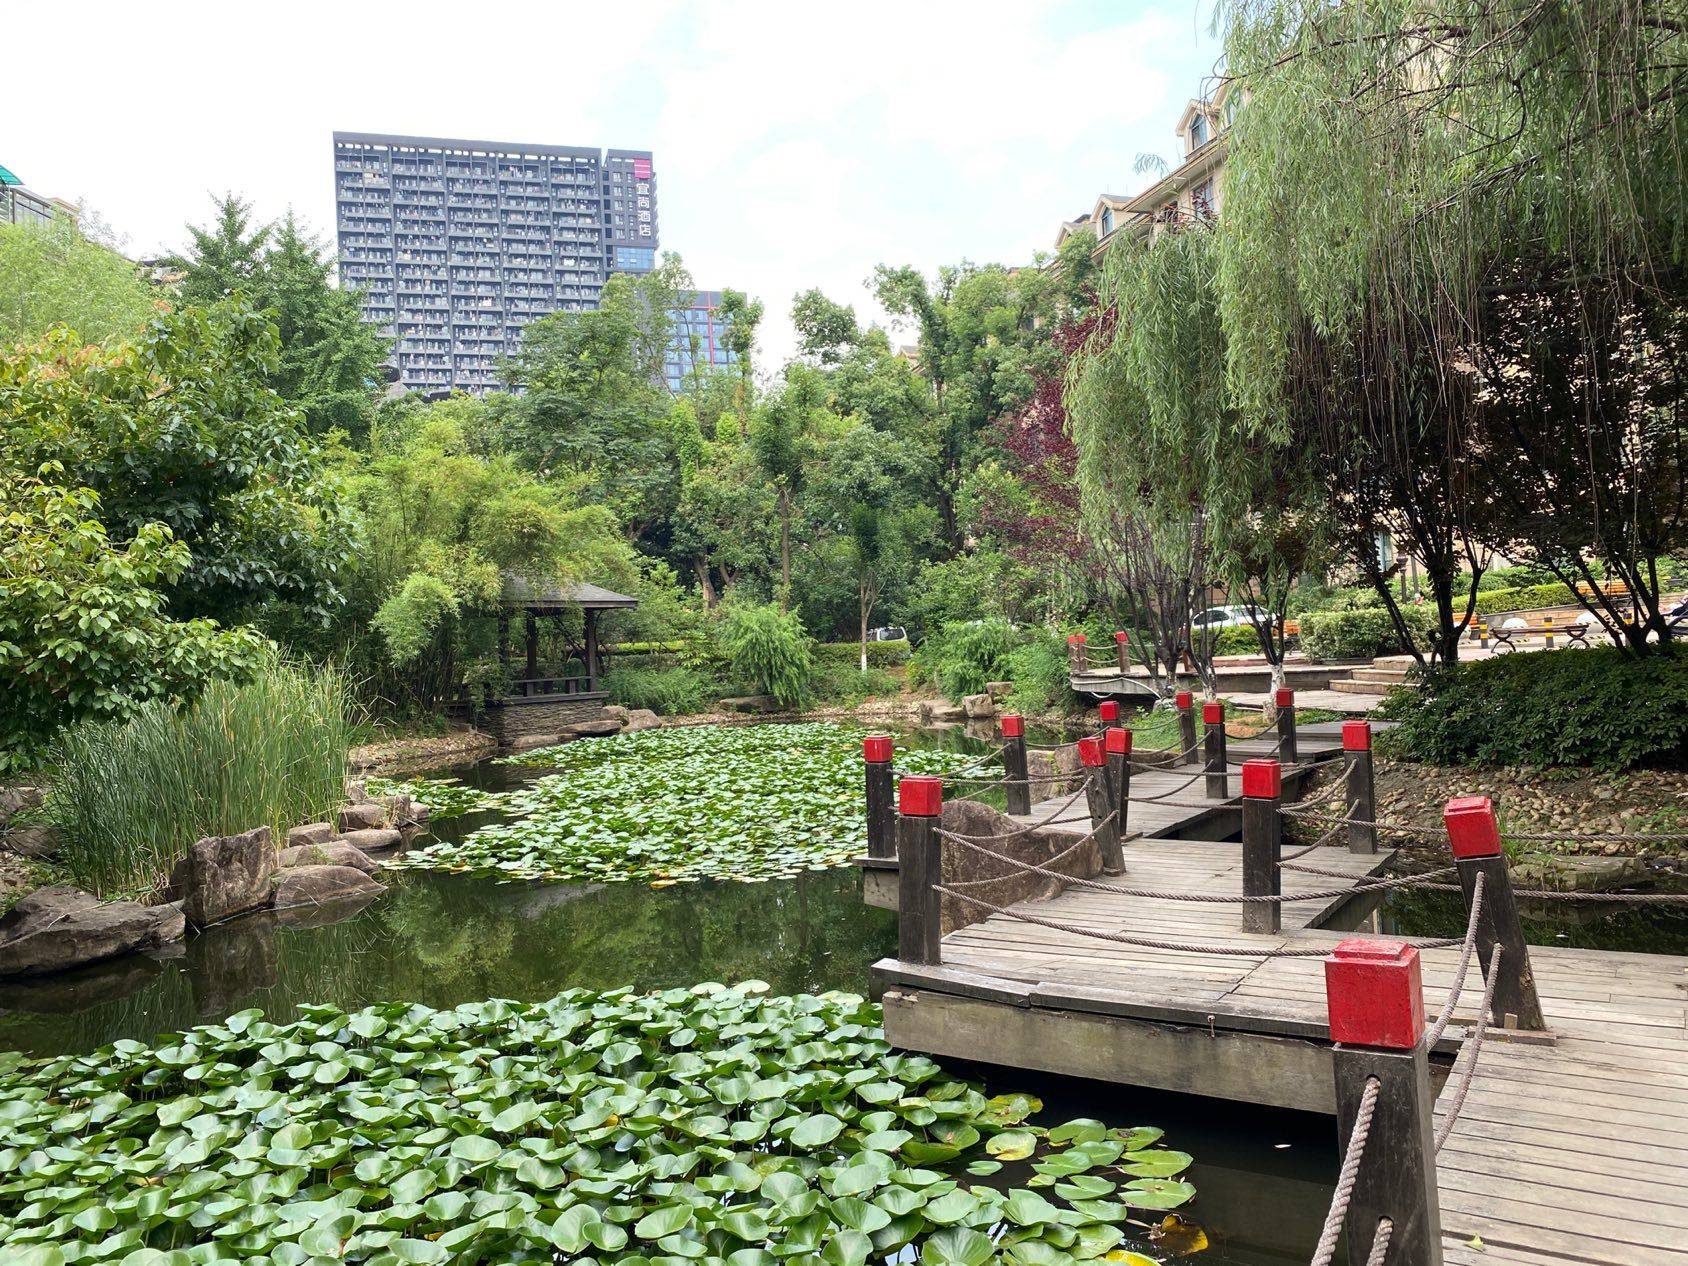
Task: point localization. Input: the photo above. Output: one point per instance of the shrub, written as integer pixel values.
(1358, 634)
(1238, 641)
(879, 654)
(960, 658)
(131, 796)
(1525, 598)
(665, 691)
(847, 684)
(768, 650)
(1038, 669)
(1592, 707)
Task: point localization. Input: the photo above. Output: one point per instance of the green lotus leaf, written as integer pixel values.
(1012, 1145)
(1157, 1193)
(957, 1246)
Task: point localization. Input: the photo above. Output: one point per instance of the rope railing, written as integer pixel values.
(1044, 869)
(1300, 813)
(1380, 1242)
(1316, 844)
(1451, 1117)
(1442, 1020)
(1146, 942)
(1348, 1176)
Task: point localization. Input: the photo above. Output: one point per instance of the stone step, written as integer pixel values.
(1381, 676)
(1371, 688)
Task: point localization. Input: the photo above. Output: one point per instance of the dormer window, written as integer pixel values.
(1107, 221)
(1198, 132)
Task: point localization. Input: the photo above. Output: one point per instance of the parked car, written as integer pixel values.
(1230, 617)
(890, 633)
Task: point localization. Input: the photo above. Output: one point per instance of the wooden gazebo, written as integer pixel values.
(544, 698)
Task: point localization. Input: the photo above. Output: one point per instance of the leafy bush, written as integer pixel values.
(768, 650)
(83, 634)
(1239, 641)
(1589, 707)
(879, 654)
(960, 658)
(1038, 669)
(666, 691)
(1357, 634)
(846, 684)
(1526, 598)
(131, 796)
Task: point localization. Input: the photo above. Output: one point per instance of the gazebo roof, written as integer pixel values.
(521, 595)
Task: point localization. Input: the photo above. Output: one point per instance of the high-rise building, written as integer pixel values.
(456, 245)
(698, 341)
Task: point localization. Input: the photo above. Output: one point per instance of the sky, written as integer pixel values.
(795, 144)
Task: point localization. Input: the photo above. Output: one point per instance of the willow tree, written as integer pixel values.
(1164, 450)
(1411, 185)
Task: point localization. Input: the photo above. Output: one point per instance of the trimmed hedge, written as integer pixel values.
(879, 654)
(1358, 634)
(1578, 707)
(1524, 598)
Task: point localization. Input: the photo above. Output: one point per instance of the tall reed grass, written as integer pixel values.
(130, 797)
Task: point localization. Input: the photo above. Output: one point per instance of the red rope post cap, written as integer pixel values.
(1213, 713)
(1108, 710)
(1122, 637)
(1356, 736)
(1080, 638)
(877, 749)
(1283, 697)
(1473, 830)
(1184, 700)
(1118, 741)
(1090, 752)
(1013, 725)
(1263, 779)
(1374, 994)
(919, 796)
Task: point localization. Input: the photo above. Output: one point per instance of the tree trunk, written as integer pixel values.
(700, 567)
(863, 606)
(785, 547)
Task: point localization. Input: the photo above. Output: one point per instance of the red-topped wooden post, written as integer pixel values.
(1014, 764)
(1263, 790)
(920, 865)
(1374, 997)
(1075, 652)
(1116, 741)
(881, 796)
(1185, 702)
(1283, 698)
(1474, 837)
(1122, 648)
(1362, 787)
(1107, 712)
(1213, 745)
(1100, 797)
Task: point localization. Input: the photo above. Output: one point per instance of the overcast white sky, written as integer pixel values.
(795, 144)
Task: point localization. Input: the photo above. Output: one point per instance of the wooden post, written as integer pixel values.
(1362, 786)
(532, 630)
(594, 667)
(1474, 837)
(1374, 996)
(1018, 789)
(920, 865)
(1108, 713)
(1185, 702)
(1122, 647)
(1100, 797)
(1213, 745)
(1284, 698)
(1263, 789)
(881, 796)
(1117, 742)
(1075, 653)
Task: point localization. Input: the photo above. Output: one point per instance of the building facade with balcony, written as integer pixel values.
(456, 245)
(697, 343)
(1192, 190)
(19, 205)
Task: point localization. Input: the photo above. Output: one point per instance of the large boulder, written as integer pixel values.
(374, 840)
(360, 817)
(979, 707)
(1054, 773)
(617, 711)
(334, 853)
(938, 712)
(998, 882)
(533, 742)
(319, 885)
(641, 719)
(1000, 690)
(403, 810)
(311, 833)
(34, 842)
(223, 876)
(598, 727)
(14, 800)
(751, 703)
(56, 928)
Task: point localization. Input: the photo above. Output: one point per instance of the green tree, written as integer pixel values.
(825, 330)
(224, 256)
(742, 315)
(83, 629)
(785, 433)
(50, 274)
(181, 429)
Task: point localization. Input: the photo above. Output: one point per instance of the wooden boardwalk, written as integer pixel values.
(1568, 1151)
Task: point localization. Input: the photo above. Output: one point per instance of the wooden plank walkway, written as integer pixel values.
(1574, 1151)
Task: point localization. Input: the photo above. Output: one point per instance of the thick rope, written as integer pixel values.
(1380, 1242)
(1350, 1174)
(1054, 818)
(1395, 828)
(1161, 895)
(1558, 894)
(1059, 857)
(1476, 1044)
(1438, 832)
(1316, 844)
(1145, 942)
(1171, 792)
(1437, 1029)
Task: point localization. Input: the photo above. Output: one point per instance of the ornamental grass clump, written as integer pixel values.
(129, 797)
(705, 1124)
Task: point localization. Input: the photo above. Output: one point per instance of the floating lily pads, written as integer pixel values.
(705, 1124)
(748, 803)
(445, 797)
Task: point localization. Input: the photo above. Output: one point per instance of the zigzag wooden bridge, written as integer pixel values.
(1174, 958)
